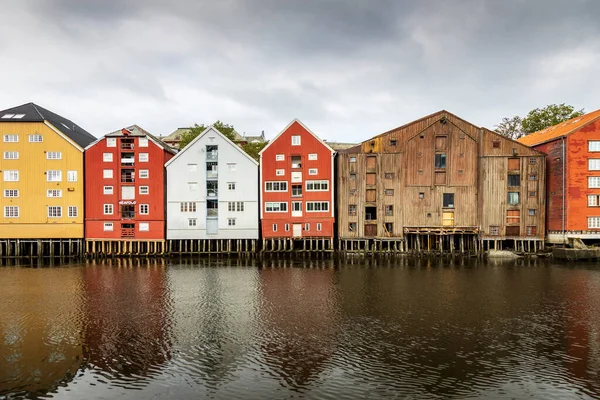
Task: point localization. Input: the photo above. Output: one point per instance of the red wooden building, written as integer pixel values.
(125, 192)
(296, 179)
(573, 177)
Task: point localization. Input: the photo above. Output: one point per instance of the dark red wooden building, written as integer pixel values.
(296, 178)
(125, 192)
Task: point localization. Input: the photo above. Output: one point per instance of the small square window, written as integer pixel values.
(389, 210)
(494, 230)
(389, 192)
(108, 174)
(192, 222)
(352, 159)
(108, 209)
(532, 194)
(389, 175)
(230, 221)
(448, 200)
(352, 210)
(111, 142)
(393, 142)
(353, 176)
(107, 157)
(108, 190)
(143, 157)
(231, 185)
(312, 157)
(108, 227)
(144, 226)
(144, 174)
(532, 211)
(143, 142)
(280, 172)
(231, 167)
(296, 140)
(532, 161)
(421, 195)
(313, 171)
(352, 226)
(144, 189)
(496, 145)
(280, 157)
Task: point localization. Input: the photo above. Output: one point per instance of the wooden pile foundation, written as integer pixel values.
(303, 245)
(41, 248)
(98, 248)
(242, 247)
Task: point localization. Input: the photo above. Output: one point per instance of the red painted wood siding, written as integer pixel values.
(554, 184)
(95, 197)
(269, 166)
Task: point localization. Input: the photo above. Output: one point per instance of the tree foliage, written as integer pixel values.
(536, 120)
(254, 148)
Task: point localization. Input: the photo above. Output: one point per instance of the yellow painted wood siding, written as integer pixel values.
(33, 221)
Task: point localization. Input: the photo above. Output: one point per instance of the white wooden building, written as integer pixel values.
(212, 193)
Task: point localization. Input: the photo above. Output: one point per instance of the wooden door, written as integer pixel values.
(441, 142)
(370, 230)
(371, 179)
(297, 230)
(440, 178)
(371, 163)
(514, 164)
(448, 218)
(371, 196)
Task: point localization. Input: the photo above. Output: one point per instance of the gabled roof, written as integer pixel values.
(136, 130)
(197, 138)
(176, 135)
(559, 130)
(31, 112)
(303, 126)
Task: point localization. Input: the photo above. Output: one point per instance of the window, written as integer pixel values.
(11, 176)
(108, 227)
(54, 155)
(287, 227)
(54, 176)
(144, 189)
(108, 174)
(235, 206)
(317, 206)
(280, 172)
(593, 145)
(107, 157)
(313, 171)
(494, 230)
(389, 228)
(108, 209)
(231, 167)
(317, 186)
(533, 177)
(274, 227)
(144, 174)
(393, 142)
(143, 142)
(440, 160)
(296, 162)
(448, 200)
(353, 192)
(513, 198)
(532, 194)
(72, 176)
(231, 206)
(532, 212)
(143, 157)
(231, 185)
(388, 192)
(108, 190)
(73, 212)
(594, 222)
(11, 155)
(230, 221)
(296, 190)
(352, 226)
(352, 209)
(192, 222)
(111, 142)
(593, 182)
(11, 212)
(389, 210)
(187, 207)
(421, 195)
(594, 164)
(312, 157)
(514, 164)
(353, 176)
(532, 161)
(276, 186)
(276, 207)
(513, 216)
(11, 193)
(296, 140)
(144, 226)
(144, 209)
(319, 226)
(280, 157)
(388, 175)
(307, 227)
(54, 211)
(11, 138)
(593, 200)
(370, 213)
(192, 167)
(192, 186)
(531, 231)
(352, 159)
(35, 138)
(514, 180)
(496, 145)
(54, 193)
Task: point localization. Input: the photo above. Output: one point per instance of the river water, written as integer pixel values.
(412, 328)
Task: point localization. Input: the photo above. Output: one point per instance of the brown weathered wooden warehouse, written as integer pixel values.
(440, 184)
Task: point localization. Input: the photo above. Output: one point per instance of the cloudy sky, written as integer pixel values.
(349, 69)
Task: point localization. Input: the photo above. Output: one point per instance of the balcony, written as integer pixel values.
(127, 144)
(128, 230)
(212, 212)
(214, 174)
(127, 178)
(212, 193)
(127, 212)
(127, 159)
(212, 155)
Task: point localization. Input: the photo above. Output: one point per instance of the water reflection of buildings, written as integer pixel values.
(40, 325)
(127, 329)
(299, 318)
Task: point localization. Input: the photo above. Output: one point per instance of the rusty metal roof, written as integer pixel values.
(559, 130)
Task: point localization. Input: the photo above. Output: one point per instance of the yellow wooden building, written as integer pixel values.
(41, 175)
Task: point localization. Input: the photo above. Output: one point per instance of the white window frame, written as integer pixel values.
(313, 204)
(111, 142)
(593, 146)
(193, 186)
(280, 172)
(10, 192)
(54, 155)
(11, 155)
(144, 174)
(11, 138)
(313, 156)
(280, 157)
(144, 227)
(307, 227)
(593, 182)
(107, 157)
(34, 136)
(274, 227)
(73, 212)
(54, 193)
(143, 142)
(144, 209)
(593, 222)
(231, 186)
(108, 227)
(71, 176)
(230, 221)
(594, 164)
(313, 171)
(275, 206)
(54, 175)
(296, 140)
(109, 209)
(143, 157)
(11, 214)
(317, 186)
(272, 185)
(192, 167)
(144, 190)
(319, 227)
(109, 190)
(287, 227)
(54, 208)
(107, 174)
(192, 221)
(11, 175)
(187, 206)
(231, 167)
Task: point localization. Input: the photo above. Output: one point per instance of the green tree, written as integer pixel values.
(196, 130)
(551, 115)
(254, 148)
(511, 127)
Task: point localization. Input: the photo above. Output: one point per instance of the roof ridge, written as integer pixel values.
(35, 107)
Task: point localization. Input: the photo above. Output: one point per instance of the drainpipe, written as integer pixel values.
(564, 211)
